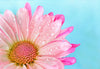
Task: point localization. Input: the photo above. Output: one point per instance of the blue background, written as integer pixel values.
(84, 15)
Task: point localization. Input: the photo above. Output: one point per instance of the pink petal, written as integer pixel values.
(61, 17)
(65, 32)
(39, 12)
(51, 14)
(36, 24)
(54, 48)
(68, 60)
(10, 66)
(3, 64)
(11, 21)
(4, 38)
(48, 33)
(2, 51)
(6, 32)
(75, 45)
(23, 22)
(3, 56)
(65, 53)
(24, 67)
(3, 44)
(70, 50)
(3, 59)
(34, 66)
(49, 63)
(21, 67)
(28, 7)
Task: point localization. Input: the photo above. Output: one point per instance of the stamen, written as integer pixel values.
(23, 52)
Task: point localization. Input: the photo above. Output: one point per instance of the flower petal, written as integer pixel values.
(10, 66)
(3, 64)
(54, 48)
(4, 38)
(23, 22)
(65, 32)
(2, 51)
(3, 45)
(34, 66)
(49, 63)
(70, 50)
(6, 32)
(3, 59)
(51, 14)
(75, 45)
(61, 17)
(48, 33)
(35, 23)
(21, 67)
(11, 21)
(3, 56)
(68, 60)
(28, 7)
(39, 12)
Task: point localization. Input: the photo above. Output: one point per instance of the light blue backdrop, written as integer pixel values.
(84, 15)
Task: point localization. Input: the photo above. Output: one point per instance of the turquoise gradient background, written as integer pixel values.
(84, 15)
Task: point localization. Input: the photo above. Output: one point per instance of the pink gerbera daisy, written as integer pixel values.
(34, 42)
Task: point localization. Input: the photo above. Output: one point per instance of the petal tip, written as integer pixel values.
(70, 29)
(75, 45)
(28, 7)
(60, 17)
(51, 14)
(73, 60)
(39, 11)
(39, 8)
(68, 60)
(27, 4)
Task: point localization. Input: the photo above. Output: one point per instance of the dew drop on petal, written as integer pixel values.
(39, 27)
(50, 50)
(48, 24)
(56, 48)
(50, 53)
(52, 34)
(27, 30)
(43, 42)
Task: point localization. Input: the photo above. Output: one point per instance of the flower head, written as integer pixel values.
(34, 42)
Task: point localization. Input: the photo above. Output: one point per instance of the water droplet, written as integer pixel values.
(39, 27)
(53, 28)
(56, 47)
(27, 30)
(52, 34)
(50, 49)
(49, 53)
(0, 32)
(43, 42)
(47, 59)
(14, 20)
(48, 24)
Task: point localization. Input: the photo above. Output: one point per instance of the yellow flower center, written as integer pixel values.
(23, 52)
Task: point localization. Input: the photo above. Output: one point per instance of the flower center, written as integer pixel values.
(23, 52)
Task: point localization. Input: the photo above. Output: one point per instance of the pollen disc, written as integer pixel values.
(23, 52)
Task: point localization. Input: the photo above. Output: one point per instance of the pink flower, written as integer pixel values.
(34, 42)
